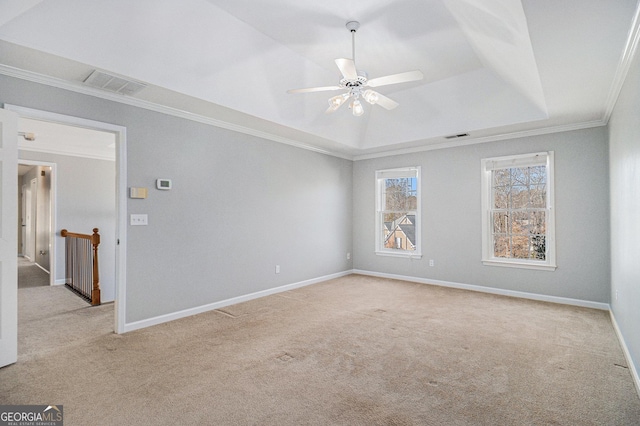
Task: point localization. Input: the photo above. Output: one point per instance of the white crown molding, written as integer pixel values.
(474, 141)
(623, 68)
(628, 54)
(86, 90)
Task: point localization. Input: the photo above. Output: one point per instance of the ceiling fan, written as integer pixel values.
(357, 85)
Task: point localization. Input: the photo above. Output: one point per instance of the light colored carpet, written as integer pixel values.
(351, 351)
(30, 275)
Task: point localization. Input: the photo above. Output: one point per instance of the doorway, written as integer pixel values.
(117, 234)
(36, 217)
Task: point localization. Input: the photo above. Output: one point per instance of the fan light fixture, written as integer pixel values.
(357, 83)
(356, 107)
(337, 101)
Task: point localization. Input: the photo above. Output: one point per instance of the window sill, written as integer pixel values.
(521, 265)
(405, 254)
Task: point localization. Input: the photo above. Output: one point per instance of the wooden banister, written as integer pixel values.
(94, 240)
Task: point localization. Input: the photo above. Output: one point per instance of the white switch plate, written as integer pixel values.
(139, 219)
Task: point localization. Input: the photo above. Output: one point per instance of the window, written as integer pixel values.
(517, 207)
(398, 212)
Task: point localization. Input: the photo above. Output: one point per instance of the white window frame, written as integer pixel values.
(512, 161)
(381, 176)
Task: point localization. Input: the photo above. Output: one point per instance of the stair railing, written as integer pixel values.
(81, 264)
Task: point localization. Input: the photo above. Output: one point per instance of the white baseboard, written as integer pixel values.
(627, 354)
(60, 281)
(221, 304)
(41, 267)
(492, 290)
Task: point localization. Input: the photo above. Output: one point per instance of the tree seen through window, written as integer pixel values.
(519, 212)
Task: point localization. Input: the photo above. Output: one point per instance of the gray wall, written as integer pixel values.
(239, 206)
(624, 157)
(86, 199)
(451, 217)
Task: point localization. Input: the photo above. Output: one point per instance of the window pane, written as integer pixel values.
(520, 222)
(538, 245)
(501, 246)
(397, 213)
(399, 231)
(538, 175)
(519, 197)
(400, 194)
(501, 197)
(390, 218)
(518, 207)
(501, 177)
(539, 196)
(538, 222)
(518, 176)
(520, 247)
(500, 222)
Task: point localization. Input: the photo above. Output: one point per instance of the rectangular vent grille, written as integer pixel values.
(109, 82)
(461, 135)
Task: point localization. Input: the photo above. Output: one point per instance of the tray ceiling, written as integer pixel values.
(492, 67)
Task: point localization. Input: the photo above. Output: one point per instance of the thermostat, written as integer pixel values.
(163, 183)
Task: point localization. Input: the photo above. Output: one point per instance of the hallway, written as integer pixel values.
(31, 275)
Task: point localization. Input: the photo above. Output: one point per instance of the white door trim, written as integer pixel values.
(8, 238)
(23, 208)
(28, 211)
(120, 133)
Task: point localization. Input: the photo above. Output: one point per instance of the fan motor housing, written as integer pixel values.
(353, 83)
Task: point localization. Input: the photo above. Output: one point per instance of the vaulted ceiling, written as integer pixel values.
(491, 67)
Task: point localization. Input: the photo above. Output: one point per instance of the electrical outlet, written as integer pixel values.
(348, 256)
(139, 219)
(616, 294)
(277, 269)
(431, 263)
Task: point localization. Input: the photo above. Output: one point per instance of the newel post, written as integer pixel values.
(95, 293)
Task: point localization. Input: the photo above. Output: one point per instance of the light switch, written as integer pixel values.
(139, 219)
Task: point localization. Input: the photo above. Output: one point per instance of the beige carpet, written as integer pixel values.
(351, 351)
(30, 274)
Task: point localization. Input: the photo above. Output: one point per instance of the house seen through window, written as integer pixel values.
(398, 212)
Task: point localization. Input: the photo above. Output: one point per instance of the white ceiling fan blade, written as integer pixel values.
(314, 89)
(347, 68)
(403, 77)
(385, 102)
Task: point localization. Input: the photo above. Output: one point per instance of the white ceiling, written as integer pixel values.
(492, 67)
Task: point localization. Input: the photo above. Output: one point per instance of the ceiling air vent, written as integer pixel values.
(109, 82)
(461, 135)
